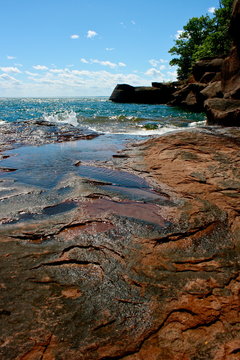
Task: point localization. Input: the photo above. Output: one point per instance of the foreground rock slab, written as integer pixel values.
(117, 277)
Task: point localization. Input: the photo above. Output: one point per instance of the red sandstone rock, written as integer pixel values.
(107, 281)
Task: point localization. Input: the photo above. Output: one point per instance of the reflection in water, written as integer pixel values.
(44, 166)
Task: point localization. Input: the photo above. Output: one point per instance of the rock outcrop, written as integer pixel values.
(214, 86)
(227, 110)
(92, 270)
(157, 94)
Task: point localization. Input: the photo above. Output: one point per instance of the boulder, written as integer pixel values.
(227, 111)
(208, 65)
(212, 90)
(231, 75)
(224, 112)
(210, 77)
(189, 97)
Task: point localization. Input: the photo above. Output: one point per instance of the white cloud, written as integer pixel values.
(84, 61)
(40, 67)
(91, 34)
(158, 63)
(156, 74)
(211, 10)
(31, 73)
(103, 63)
(153, 62)
(10, 69)
(178, 34)
(57, 71)
(11, 57)
(160, 74)
(7, 81)
(74, 36)
(172, 75)
(69, 82)
(109, 49)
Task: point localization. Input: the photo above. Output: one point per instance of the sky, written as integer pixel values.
(53, 48)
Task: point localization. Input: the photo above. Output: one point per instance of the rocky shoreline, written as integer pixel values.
(133, 258)
(108, 271)
(213, 88)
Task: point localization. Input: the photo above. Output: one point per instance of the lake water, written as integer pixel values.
(116, 124)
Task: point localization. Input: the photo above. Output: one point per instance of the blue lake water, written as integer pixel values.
(118, 124)
(99, 114)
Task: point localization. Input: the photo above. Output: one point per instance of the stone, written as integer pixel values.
(213, 65)
(212, 90)
(225, 112)
(209, 77)
(117, 277)
(189, 97)
(231, 75)
(160, 94)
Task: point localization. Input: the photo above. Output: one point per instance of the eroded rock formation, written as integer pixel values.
(226, 111)
(95, 270)
(158, 93)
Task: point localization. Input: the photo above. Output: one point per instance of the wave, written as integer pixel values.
(197, 123)
(64, 117)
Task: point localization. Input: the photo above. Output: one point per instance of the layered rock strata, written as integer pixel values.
(149, 270)
(226, 111)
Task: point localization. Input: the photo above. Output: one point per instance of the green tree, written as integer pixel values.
(202, 37)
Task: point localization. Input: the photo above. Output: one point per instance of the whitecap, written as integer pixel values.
(197, 123)
(65, 117)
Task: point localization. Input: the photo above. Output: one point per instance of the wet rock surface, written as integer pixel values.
(134, 258)
(38, 132)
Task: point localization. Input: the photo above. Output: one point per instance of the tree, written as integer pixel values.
(202, 37)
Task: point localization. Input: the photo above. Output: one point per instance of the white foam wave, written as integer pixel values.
(197, 123)
(65, 117)
(160, 131)
(2, 122)
(143, 132)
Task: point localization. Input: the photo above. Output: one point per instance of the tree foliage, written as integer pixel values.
(205, 36)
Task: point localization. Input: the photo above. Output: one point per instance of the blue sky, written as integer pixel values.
(85, 47)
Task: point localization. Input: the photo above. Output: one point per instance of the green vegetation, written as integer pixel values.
(203, 36)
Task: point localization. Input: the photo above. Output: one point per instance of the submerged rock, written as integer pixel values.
(40, 132)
